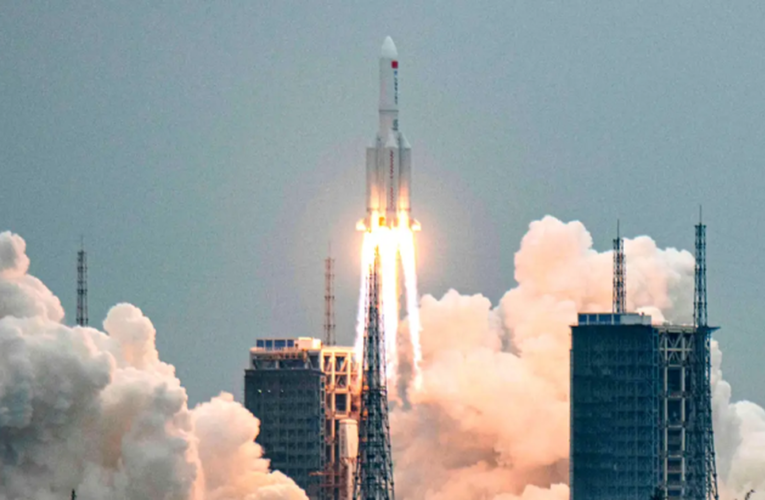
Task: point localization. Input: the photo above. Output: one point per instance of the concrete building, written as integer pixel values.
(306, 396)
(638, 397)
(615, 386)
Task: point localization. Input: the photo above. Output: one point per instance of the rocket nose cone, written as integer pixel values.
(388, 50)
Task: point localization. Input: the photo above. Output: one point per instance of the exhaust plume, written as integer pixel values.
(101, 414)
(392, 243)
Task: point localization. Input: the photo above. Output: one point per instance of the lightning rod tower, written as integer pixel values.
(82, 296)
(619, 304)
(374, 465)
(703, 387)
(82, 285)
(329, 299)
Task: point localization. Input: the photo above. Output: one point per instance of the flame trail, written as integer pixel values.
(406, 248)
(367, 257)
(392, 243)
(388, 245)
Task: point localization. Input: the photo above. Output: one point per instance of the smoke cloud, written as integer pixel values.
(739, 438)
(101, 413)
(492, 418)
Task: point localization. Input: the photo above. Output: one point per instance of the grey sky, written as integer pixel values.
(210, 151)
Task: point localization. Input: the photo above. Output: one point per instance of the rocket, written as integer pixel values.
(389, 161)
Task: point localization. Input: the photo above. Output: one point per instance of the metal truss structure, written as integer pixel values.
(619, 305)
(641, 404)
(374, 465)
(82, 288)
(703, 389)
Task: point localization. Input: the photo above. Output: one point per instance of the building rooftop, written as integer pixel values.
(613, 319)
(300, 344)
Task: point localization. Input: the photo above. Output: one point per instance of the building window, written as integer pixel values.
(675, 410)
(674, 380)
(341, 402)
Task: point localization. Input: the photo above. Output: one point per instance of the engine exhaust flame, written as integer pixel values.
(394, 244)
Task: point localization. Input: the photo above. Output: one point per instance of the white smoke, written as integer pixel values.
(492, 418)
(23, 295)
(739, 438)
(102, 414)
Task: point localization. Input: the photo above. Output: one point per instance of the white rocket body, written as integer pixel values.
(389, 161)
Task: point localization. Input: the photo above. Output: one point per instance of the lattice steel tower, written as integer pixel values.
(329, 299)
(702, 388)
(619, 298)
(82, 295)
(82, 286)
(374, 465)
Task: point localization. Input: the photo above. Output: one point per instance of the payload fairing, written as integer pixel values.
(389, 161)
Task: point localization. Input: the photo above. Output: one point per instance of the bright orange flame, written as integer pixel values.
(391, 243)
(406, 248)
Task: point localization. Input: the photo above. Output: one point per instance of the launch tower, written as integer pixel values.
(706, 465)
(641, 419)
(306, 396)
(374, 465)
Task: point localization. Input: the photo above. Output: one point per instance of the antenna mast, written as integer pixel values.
(700, 275)
(329, 299)
(82, 285)
(703, 338)
(619, 303)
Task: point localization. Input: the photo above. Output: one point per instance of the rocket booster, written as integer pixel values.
(389, 161)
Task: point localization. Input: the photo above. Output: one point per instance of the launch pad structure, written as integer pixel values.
(702, 388)
(323, 412)
(306, 396)
(641, 418)
(374, 466)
